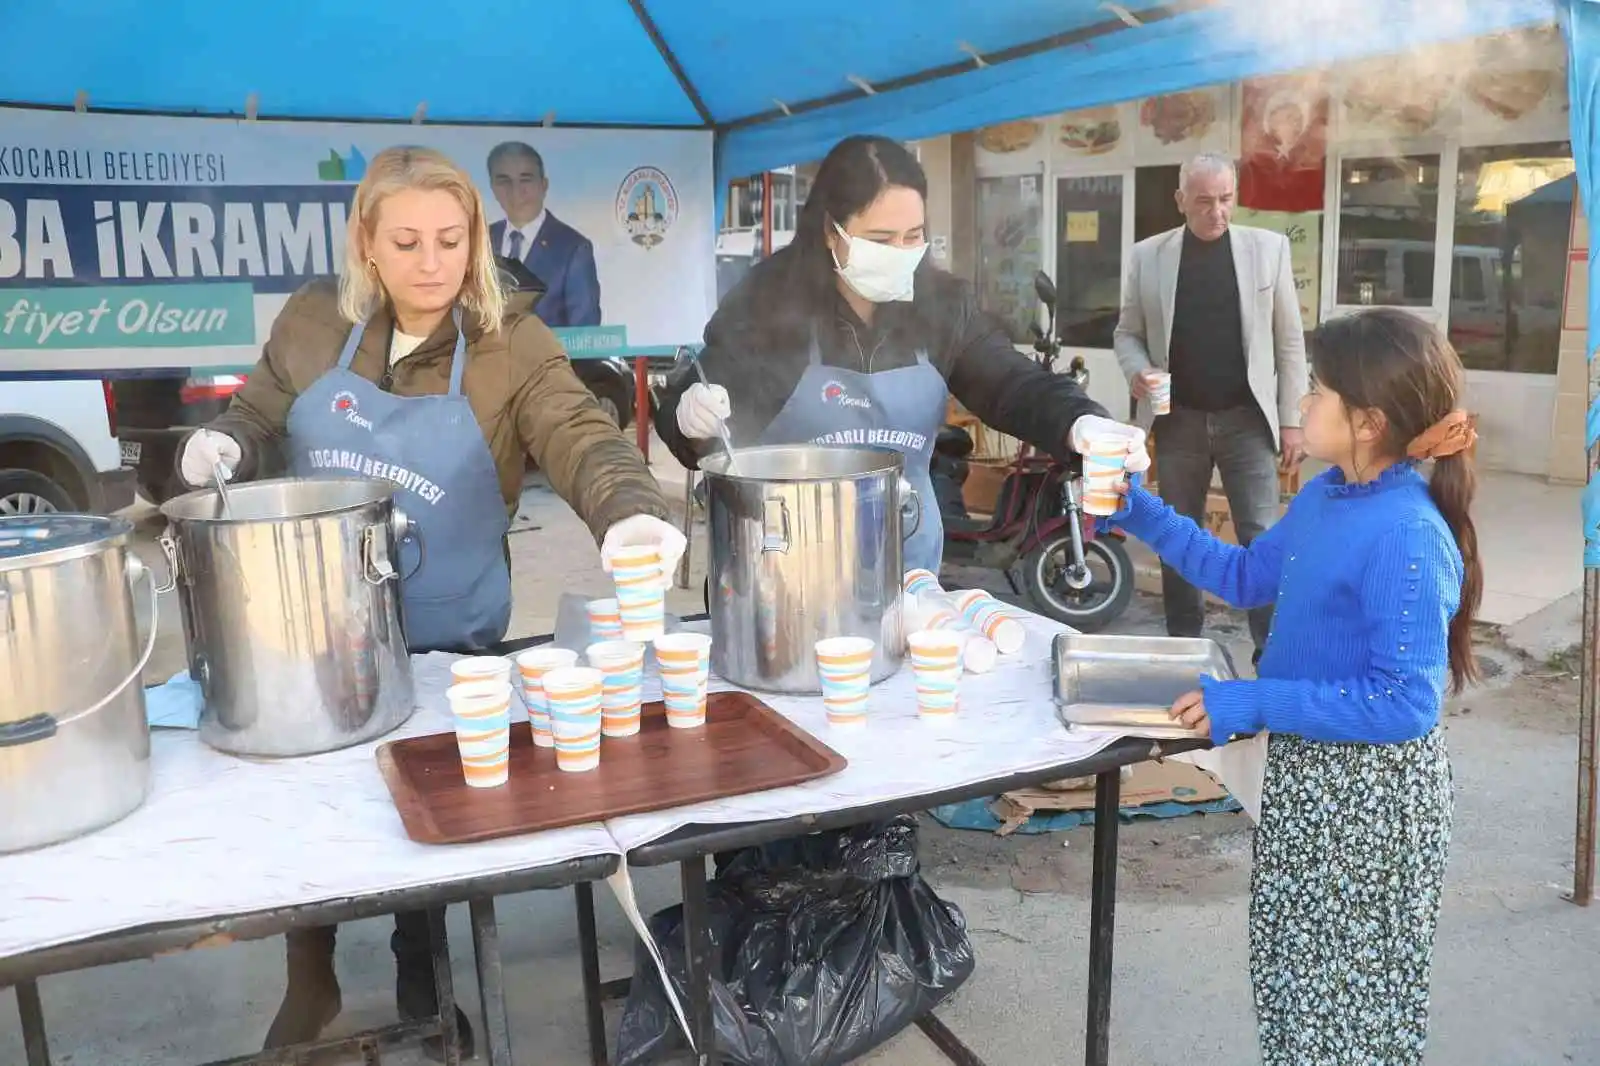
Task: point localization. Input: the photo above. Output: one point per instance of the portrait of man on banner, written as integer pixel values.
(1284, 143)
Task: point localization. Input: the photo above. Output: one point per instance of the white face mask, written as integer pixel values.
(880, 273)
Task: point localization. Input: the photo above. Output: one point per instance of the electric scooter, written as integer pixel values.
(1038, 536)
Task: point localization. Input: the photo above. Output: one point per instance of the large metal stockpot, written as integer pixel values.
(805, 545)
(291, 613)
(74, 743)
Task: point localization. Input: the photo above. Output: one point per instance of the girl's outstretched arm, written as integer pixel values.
(1244, 577)
(1409, 594)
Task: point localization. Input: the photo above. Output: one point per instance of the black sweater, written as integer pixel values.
(758, 346)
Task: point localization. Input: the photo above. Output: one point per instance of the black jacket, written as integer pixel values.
(758, 346)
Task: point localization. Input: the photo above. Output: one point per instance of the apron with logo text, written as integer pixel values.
(902, 410)
(455, 588)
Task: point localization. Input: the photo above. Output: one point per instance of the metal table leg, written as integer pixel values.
(491, 981)
(697, 952)
(444, 985)
(35, 1042)
(1102, 916)
(589, 956)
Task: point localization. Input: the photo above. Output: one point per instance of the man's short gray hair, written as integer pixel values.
(1206, 163)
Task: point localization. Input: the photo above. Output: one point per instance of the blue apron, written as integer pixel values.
(902, 410)
(455, 589)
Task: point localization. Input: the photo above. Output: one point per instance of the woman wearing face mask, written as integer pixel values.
(849, 336)
(417, 362)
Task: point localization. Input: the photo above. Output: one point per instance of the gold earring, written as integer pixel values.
(372, 265)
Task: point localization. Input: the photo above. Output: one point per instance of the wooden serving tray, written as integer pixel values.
(745, 746)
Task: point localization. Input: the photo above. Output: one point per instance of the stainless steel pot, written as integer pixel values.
(805, 545)
(291, 613)
(74, 743)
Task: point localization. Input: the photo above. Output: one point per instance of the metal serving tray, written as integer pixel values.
(1128, 684)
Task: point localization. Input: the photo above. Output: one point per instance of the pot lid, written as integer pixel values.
(40, 539)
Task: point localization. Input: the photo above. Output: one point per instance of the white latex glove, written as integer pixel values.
(701, 409)
(201, 454)
(643, 530)
(1094, 426)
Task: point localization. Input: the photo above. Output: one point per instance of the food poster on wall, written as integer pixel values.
(1283, 141)
(1515, 89)
(1397, 98)
(1008, 148)
(1178, 126)
(1010, 252)
(1304, 230)
(1098, 135)
(130, 242)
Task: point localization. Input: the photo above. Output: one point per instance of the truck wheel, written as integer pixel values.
(615, 400)
(30, 492)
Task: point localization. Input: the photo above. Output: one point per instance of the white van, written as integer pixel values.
(59, 449)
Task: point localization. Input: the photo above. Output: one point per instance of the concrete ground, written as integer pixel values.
(1514, 979)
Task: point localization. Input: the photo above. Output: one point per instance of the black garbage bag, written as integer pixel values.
(823, 947)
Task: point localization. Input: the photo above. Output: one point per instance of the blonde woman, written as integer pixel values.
(416, 366)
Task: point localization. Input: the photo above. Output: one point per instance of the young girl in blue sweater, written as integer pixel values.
(1375, 579)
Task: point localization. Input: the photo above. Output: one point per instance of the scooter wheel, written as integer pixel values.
(1087, 610)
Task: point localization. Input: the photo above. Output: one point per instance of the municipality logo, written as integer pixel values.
(345, 406)
(647, 206)
(836, 394)
(352, 167)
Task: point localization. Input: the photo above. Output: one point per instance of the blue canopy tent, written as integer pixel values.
(777, 84)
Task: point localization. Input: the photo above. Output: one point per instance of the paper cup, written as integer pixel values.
(979, 655)
(844, 665)
(480, 668)
(685, 663)
(921, 582)
(575, 695)
(622, 664)
(532, 665)
(987, 615)
(1161, 393)
(605, 620)
(641, 593)
(482, 714)
(936, 668)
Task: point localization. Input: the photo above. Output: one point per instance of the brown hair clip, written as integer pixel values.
(1451, 435)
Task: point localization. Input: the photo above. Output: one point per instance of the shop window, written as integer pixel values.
(1089, 259)
(1508, 276)
(1155, 203)
(1011, 250)
(1388, 213)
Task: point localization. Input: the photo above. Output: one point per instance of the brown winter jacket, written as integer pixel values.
(522, 389)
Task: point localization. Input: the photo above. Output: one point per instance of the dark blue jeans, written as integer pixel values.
(1189, 445)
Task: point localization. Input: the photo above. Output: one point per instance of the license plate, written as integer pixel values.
(130, 452)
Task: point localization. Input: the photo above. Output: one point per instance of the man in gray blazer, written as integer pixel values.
(1215, 306)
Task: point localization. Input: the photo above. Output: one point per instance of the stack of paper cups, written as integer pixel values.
(641, 593)
(921, 582)
(993, 619)
(685, 662)
(482, 714)
(605, 620)
(844, 665)
(936, 666)
(1105, 461)
(622, 663)
(574, 694)
(1160, 392)
(937, 611)
(532, 665)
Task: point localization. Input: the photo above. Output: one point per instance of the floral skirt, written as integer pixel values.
(1349, 869)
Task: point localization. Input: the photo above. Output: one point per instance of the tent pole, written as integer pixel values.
(648, 24)
(1588, 711)
(766, 214)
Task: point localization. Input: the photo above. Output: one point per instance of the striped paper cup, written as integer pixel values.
(844, 666)
(685, 663)
(480, 668)
(643, 613)
(993, 619)
(921, 582)
(575, 695)
(605, 620)
(533, 664)
(482, 714)
(936, 668)
(622, 664)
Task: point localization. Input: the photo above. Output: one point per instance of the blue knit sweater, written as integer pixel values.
(1364, 578)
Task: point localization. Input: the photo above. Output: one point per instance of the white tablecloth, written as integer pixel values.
(225, 836)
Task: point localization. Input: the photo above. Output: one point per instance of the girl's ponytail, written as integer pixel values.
(1453, 485)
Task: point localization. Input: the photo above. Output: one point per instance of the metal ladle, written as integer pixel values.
(722, 424)
(221, 473)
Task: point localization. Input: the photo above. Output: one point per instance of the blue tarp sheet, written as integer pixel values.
(1581, 21)
(594, 62)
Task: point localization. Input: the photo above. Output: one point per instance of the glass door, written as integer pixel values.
(1089, 250)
